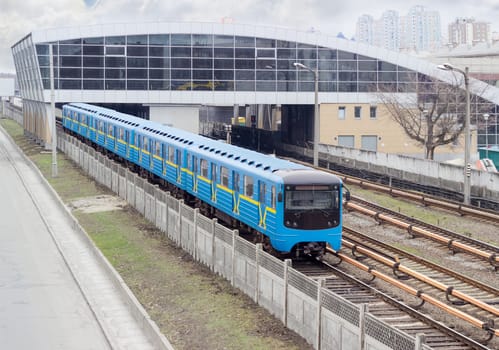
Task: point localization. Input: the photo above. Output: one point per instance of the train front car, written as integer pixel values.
(311, 212)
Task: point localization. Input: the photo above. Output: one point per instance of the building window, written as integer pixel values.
(372, 112)
(369, 143)
(358, 112)
(115, 50)
(341, 112)
(346, 141)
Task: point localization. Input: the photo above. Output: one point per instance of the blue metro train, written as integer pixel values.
(292, 209)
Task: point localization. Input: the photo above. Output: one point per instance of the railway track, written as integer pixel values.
(455, 242)
(390, 310)
(468, 304)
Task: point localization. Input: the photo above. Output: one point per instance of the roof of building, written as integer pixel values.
(409, 61)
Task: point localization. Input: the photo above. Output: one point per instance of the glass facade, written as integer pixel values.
(213, 62)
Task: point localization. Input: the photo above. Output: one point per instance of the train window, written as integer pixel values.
(224, 176)
(179, 158)
(126, 136)
(101, 125)
(194, 164)
(110, 130)
(145, 144)
(272, 196)
(121, 134)
(213, 172)
(136, 140)
(164, 151)
(261, 193)
(204, 167)
(158, 149)
(235, 181)
(189, 161)
(248, 186)
(171, 154)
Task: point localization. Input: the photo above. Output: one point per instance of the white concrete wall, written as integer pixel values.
(181, 117)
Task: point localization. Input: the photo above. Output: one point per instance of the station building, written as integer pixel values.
(174, 72)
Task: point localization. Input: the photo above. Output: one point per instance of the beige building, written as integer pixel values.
(370, 127)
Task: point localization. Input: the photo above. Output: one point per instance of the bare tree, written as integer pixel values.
(434, 116)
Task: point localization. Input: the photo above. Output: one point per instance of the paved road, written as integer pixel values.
(42, 304)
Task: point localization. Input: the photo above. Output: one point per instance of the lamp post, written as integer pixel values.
(467, 169)
(52, 110)
(486, 118)
(316, 109)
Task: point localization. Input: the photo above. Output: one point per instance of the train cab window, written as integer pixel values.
(261, 191)
(171, 154)
(248, 186)
(272, 196)
(204, 168)
(224, 176)
(157, 150)
(145, 144)
(235, 181)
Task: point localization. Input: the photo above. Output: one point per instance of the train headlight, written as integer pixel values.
(295, 224)
(288, 223)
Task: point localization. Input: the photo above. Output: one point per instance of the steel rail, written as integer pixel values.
(395, 265)
(407, 309)
(424, 199)
(418, 293)
(493, 258)
(362, 238)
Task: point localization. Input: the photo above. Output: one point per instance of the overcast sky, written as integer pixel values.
(20, 17)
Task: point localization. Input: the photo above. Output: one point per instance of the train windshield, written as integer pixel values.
(310, 198)
(312, 206)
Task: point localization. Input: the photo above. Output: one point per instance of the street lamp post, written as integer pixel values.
(316, 109)
(486, 118)
(467, 137)
(52, 111)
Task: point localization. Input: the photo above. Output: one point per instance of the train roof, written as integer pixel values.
(124, 119)
(307, 176)
(238, 156)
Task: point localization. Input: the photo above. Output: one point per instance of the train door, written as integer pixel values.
(179, 165)
(165, 158)
(236, 187)
(213, 182)
(262, 207)
(127, 143)
(195, 172)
